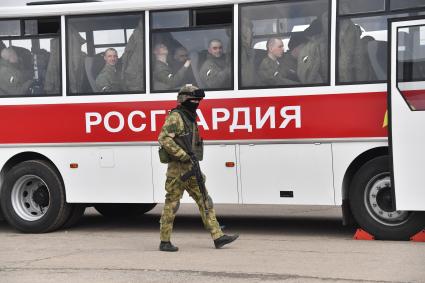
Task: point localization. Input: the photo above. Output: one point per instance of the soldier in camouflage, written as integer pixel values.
(163, 76)
(180, 121)
(109, 79)
(271, 71)
(12, 81)
(215, 71)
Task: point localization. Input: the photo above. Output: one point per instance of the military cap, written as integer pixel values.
(189, 91)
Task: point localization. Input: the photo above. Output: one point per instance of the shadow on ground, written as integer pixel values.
(319, 226)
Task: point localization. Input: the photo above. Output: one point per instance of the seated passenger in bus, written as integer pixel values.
(109, 79)
(133, 60)
(52, 82)
(271, 71)
(290, 58)
(313, 65)
(247, 62)
(215, 71)
(163, 76)
(12, 81)
(179, 59)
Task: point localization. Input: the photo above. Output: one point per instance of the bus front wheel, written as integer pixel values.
(33, 197)
(371, 203)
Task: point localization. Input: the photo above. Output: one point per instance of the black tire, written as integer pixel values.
(77, 211)
(1, 215)
(370, 200)
(121, 210)
(33, 197)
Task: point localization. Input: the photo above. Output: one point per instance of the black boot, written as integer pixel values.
(167, 247)
(224, 240)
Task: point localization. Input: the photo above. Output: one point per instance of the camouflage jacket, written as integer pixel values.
(12, 80)
(272, 72)
(215, 72)
(108, 80)
(133, 61)
(290, 64)
(310, 68)
(173, 127)
(164, 78)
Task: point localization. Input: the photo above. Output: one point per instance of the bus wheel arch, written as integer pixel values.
(31, 181)
(354, 166)
(371, 203)
(21, 157)
(25, 156)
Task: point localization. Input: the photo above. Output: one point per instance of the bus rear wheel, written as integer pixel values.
(120, 210)
(33, 197)
(371, 203)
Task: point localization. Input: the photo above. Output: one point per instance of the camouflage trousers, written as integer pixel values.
(175, 189)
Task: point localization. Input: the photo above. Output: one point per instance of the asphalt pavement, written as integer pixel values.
(276, 244)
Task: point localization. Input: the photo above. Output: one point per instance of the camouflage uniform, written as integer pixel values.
(215, 72)
(271, 72)
(12, 79)
(108, 80)
(291, 65)
(52, 81)
(133, 60)
(172, 128)
(164, 78)
(310, 68)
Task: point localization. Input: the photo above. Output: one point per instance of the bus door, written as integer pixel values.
(406, 116)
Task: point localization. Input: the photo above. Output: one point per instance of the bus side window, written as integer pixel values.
(284, 44)
(199, 52)
(362, 41)
(106, 54)
(411, 65)
(28, 57)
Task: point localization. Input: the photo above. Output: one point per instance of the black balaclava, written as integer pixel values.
(189, 105)
(189, 108)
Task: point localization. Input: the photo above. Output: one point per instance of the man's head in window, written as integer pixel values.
(111, 56)
(274, 48)
(215, 48)
(9, 55)
(296, 43)
(180, 55)
(161, 52)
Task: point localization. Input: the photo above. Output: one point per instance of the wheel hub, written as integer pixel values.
(379, 202)
(30, 197)
(41, 196)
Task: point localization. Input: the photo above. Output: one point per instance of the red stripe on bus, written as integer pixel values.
(321, 116)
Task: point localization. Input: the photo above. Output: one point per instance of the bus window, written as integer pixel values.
(362, 53)
(30, 57)
(406, 4)
(411, 66)
(200, 54)
(105, 54)
(170, 19)
(10, 28)
(346, 7)
(284, 44)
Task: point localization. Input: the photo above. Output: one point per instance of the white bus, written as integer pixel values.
(305, 123)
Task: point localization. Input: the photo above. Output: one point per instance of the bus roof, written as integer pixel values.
(107, 7)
